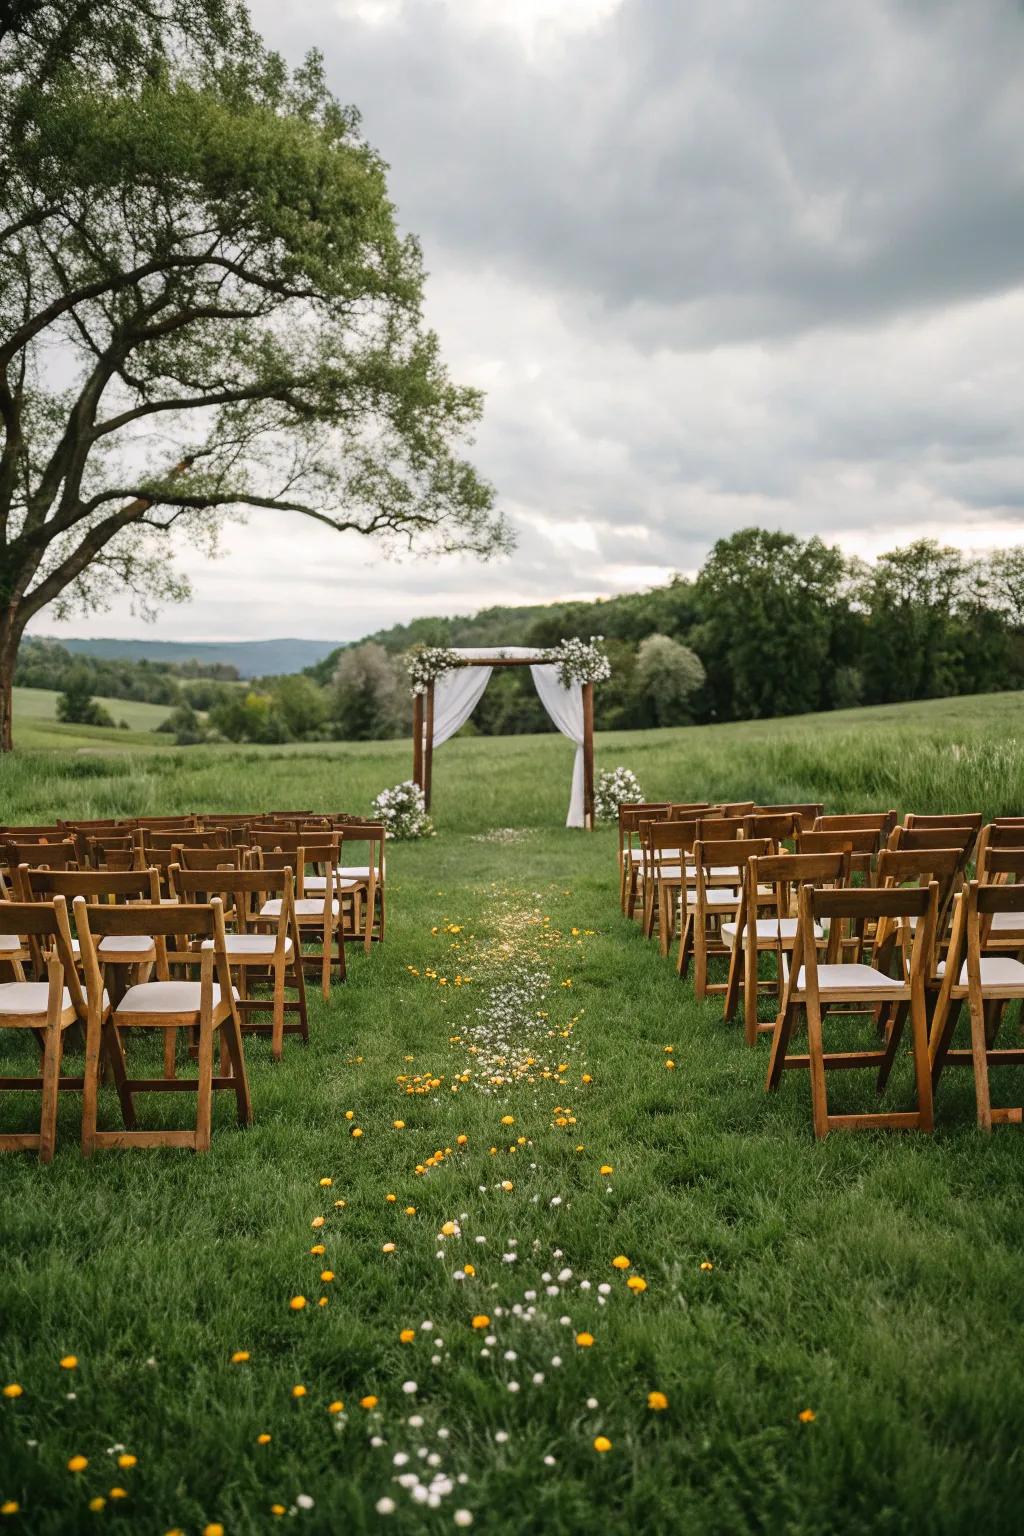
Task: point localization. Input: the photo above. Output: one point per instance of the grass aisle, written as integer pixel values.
(494, 1103)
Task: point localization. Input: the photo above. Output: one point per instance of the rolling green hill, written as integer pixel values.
(37, 726)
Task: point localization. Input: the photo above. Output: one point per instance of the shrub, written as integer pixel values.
(615, 787)
(403, 811)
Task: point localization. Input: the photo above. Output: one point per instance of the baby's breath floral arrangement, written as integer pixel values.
(580, 661)
(427, 662)
(403, 811)
(615, 787)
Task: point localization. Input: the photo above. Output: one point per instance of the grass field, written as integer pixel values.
(873, 1280)
(38, 729)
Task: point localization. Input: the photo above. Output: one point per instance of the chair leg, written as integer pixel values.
(111, 1044)
(700, 960)
(816, 1063)
(51, 1075)
(922, 1072)
(90, 1084)
(750, 969)
(231, 1044)
(780, 1044)
(277, 1029)
(737, 963)
(979, 1052)
(204, 1095)
(685, 946)
(300, 989)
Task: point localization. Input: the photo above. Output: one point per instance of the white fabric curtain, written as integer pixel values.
(565, 706)
(457, 693)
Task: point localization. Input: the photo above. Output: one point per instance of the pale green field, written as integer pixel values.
(36, 727)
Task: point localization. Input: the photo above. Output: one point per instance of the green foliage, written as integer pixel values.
(669, 674)
(76, 705)
(207, 239)
(370, 697)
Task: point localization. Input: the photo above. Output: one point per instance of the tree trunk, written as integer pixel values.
(11, 629)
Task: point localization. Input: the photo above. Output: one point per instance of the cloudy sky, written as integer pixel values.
(715, 262)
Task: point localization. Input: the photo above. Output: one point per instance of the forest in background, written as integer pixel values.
(772, 625)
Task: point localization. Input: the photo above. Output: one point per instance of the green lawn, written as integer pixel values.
(37, 728)
(873, 1279)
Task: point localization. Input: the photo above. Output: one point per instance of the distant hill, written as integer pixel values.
(252, 658)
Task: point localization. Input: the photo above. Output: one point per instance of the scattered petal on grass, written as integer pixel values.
(657, 1402)
(602, 1444)
(78, 1463)
(807, 1416)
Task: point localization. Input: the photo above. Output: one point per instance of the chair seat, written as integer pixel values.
(783, 928)
(319, 883)
(303, 908)
(240, 944)
(166, 997)
(125, 943)
(28, 997)
(848, 978)
(1002, 922)
(720, 898)
(996, 971)
(668, 871)
(9, 942)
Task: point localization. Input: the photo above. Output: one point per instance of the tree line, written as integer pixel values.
(772, 625)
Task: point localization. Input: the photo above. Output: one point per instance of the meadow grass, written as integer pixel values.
(38, 729)
(873, 1279)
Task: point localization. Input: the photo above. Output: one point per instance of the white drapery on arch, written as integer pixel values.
(458, 692)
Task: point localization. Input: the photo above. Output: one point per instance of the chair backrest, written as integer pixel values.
(320, 858)
(786, 871)
(166, 823)
(923, 839)
(861, 906)
(40, 834)
(115, 850)
(230, 857)
(780, 826)
(243, 891)
(861, 844)
(275, 840)
(41, 921)
(111, 885)
(808, 811)
(1001, 866)
(63, 855)
(679, 810)
(944, 866)
(915, 821)
(371, 833)
(736, 807)
(212, 837)
(665, 843)
(712, 828)
(881, 822)
(716, 862)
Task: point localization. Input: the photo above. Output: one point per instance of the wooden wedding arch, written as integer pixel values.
(423, 729)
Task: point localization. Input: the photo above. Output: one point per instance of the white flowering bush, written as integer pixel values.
(403, 811)
(580, 661)
(615, 787)
(427, 662)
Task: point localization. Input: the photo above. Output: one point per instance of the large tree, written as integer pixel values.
(205, 305)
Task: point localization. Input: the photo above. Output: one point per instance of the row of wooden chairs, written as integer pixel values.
(267, 905)
(858, 914)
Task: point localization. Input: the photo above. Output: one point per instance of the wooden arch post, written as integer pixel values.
(588, 756)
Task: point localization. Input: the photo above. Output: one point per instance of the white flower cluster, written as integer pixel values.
(427, 662)
(403, 811)
(615, 787)
(580, 662)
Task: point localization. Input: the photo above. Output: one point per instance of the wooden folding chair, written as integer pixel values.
(914, 822)
(987, 983)
(1001, 862)
(267, 945)
(320, 916)
(719, 867)
(206, 1005)
(816, 988)
(916, 866)
(631, 850)
(770, 885)
(46, 1007)
(365, 881)
(665, 845)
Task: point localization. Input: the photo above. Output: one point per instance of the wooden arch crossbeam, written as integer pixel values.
(423, 730)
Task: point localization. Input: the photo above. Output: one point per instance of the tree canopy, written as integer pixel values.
(205, 305)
